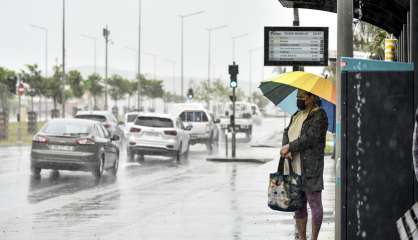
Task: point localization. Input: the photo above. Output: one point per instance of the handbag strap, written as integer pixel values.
(280, 168)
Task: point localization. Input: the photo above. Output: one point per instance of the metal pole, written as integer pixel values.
(250, 79)
(233, 49)
(19, 128)
(233, 125)
(209, 54)
(139, 55)
(405, 43)
(182, 58)
(106, 36)
(63, 60)
(344, 49)
(296, 23)
(414, 58)
(226, 143)
(408, 34)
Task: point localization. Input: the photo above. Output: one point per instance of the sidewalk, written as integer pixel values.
(230, 206)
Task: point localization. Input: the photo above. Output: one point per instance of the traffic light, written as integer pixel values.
(190, 94)
(233, 72)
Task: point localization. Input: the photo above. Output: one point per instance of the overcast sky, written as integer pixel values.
(21, 44)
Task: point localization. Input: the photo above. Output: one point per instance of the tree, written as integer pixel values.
(32, 76)
(53, 86)
(118, 87)
(370, 39)
(76, 82)
(94, 87)
(8, 82)
(132, 89)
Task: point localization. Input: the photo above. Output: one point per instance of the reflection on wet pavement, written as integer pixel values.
(157, 199)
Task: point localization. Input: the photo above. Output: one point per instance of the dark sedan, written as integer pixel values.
(74, 144)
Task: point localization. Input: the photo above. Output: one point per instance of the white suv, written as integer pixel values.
(158, 134)
(203, 127)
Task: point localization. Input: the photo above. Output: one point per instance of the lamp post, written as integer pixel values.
(234, 38)
(106, 34)
(63, 60)
(210, 30)
(139, 54)
(94, 39)
(182, 17)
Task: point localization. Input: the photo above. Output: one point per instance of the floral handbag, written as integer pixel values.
(285, 191)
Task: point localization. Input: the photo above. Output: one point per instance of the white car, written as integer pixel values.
(158, 134)
(129, 122)
(203, 126)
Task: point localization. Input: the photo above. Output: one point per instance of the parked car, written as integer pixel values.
(74, 144)
(204, 129)
(107, 119)
(129, 122)
(243, 118)
(158, 134)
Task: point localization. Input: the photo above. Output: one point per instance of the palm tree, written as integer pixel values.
(370, 39)
(94, 87)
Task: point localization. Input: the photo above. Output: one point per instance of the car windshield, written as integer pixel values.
(66, 128)
(131, 117)
(154, 122)
(99, 118)
(195, 116)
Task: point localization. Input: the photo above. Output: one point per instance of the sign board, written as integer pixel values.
(21, 89)
(296, 46)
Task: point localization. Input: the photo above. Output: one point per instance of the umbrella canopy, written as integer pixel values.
(279, 87)
(281, 90)
(289, 105)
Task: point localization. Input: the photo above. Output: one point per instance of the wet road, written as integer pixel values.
(143, 202)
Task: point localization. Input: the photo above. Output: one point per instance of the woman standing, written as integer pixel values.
(304, 142)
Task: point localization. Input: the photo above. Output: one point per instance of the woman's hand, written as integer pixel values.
(284, 151)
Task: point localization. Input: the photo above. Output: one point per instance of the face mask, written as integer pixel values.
(301, 104)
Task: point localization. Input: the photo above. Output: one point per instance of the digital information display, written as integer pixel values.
(296, 46)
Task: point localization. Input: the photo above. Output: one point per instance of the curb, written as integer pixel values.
(244, 160)
(14, 145)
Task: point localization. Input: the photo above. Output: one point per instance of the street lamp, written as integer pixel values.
(234, 38)
(63, 60)
(106, 34)
(182, 17)
(139, 54)
(251, 51)
(94, 39)
(210, 30)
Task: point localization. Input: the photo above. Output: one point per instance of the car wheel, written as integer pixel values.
(98, 171)
(178, 153)
(131, 156)
(36, 171)
(186, 154)
(115, 166)
(209, 144)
